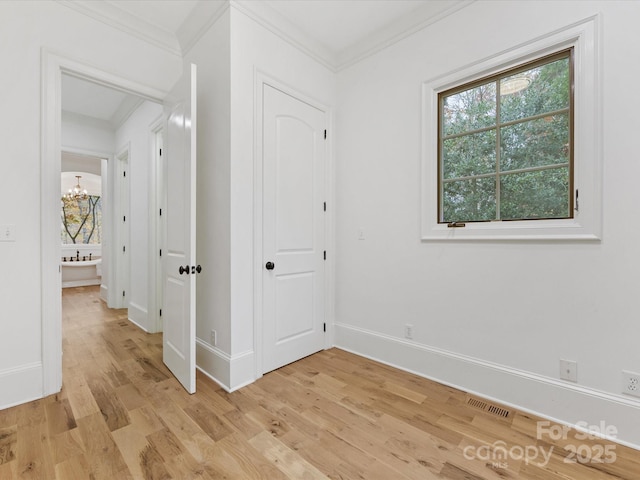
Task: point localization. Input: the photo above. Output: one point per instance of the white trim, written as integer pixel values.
(52, 67)
(81, 283)
(336, 61)
(588, 152)
(139, 316)
(560, 401)
(202, 17)
(120, 273)
(20, 384)
(396, 31)
(155, 300)
(260, 79)
(230, 372)
(110, 14)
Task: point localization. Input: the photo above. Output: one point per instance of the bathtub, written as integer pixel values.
(82, 273)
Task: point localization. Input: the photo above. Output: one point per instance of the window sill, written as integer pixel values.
(526, 230)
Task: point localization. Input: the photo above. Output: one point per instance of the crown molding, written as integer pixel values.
(279, 25)
(207, 12)
(111, 15)
(398, 30)
(392, 33)
(203, 16)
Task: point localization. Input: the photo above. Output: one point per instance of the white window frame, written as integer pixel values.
(587, 221)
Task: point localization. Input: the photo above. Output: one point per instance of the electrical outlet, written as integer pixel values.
(631, 383)
(408, 331)
(7, 233)
(214, 338)
(569, 370)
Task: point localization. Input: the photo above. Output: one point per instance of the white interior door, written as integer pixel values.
(293, 229)
(179, 271)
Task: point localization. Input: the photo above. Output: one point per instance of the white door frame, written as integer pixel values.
(107, 227)
(261, 79)
(53, 65)
(121, 240)
(156, 225)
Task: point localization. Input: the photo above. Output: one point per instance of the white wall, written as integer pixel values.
(494, 318)
(80, 133)
(229, 56)
(25, 29)
(255, 51)
(135, 133)
(211, 54)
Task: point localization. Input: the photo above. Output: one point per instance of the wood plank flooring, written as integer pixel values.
(121, 415)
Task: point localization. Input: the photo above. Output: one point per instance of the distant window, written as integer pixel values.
(81, 220)
(505, 145)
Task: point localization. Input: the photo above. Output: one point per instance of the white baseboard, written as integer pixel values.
(20, 385)
(556, 400)
(81, 283)
(230, 372)
(138, 316)
(104, 292)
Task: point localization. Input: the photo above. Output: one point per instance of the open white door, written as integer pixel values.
(179, 270)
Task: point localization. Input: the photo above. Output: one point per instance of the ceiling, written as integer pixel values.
(337, 33)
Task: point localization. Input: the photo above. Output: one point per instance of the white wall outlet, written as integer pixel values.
(631, 383)
(408, 331)
(7, 233)
(569, 370)
(214, 338)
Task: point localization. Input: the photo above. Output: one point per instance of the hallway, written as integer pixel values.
(121, 415)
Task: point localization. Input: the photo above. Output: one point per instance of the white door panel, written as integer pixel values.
(293, 228)
(179, 310)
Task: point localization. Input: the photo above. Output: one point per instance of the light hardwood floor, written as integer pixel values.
(121, 415)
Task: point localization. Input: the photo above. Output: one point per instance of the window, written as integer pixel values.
(81, 220)
(505, 145)
(512, 143)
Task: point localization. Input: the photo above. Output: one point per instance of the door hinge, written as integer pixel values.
(325, 134)
(324, 327)
(325, 254)
(160, 152)
(124, 218)
(123, 293)
(160, 212)
(124, 174)
(160, 312)
(160, 252)
(124, 249)
(325, 206)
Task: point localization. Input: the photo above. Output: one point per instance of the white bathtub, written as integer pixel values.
(82, 273)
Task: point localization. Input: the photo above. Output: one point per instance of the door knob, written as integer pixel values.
(182, 270)
(269, 266)
(198, 269)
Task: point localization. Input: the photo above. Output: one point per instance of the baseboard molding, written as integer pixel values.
(556, 400)
(230, 372)
(81, 283)
(20, 385)
(104, 292)
(138, 316)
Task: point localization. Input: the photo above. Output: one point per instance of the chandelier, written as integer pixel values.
(77, 192)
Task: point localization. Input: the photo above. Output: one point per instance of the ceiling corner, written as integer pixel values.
(110, 14)
(199, 20)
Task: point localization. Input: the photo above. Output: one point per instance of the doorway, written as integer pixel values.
(54, 68)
